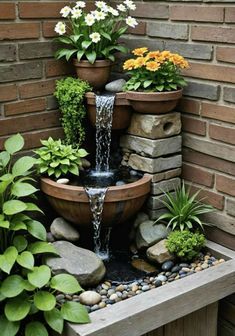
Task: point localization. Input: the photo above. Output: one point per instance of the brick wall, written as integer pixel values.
(203, 32)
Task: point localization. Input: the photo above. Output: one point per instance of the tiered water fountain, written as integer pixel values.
(99, 200)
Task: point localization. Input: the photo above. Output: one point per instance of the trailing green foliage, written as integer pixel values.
(27, 288)
(70, 93)
(184, 209)
(56, 159)
(185, 245)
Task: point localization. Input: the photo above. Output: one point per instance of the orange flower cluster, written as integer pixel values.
(152, 60)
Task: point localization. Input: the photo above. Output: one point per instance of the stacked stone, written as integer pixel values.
(153, 145)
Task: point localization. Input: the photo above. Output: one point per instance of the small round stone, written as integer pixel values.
(111, 291)
(221, 261)
(176, 268)
(204, 266)
(120, 288)
(60, 297)
(186, 269)
(90, 298)
(134, 288)
(183, 265)
(95, 307)
(145, 288)
(157, 283)
(113, 297)
(104, 286)
(102, 304)
(198, 269)
(167, 265)
(161, 278)
(120, 183)
(103, 292)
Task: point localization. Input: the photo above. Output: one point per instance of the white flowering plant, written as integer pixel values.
(94, 35)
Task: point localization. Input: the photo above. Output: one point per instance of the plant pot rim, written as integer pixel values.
(96, 64)
(114, 193)
(154, 96)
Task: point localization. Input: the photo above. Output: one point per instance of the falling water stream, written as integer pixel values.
(96, 194)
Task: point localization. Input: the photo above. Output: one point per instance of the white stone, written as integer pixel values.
(89, 298)
(63, 181)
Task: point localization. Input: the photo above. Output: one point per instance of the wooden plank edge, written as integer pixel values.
(148, 311)
(220, 251)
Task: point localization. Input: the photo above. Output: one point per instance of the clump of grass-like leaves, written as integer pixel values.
(184, 209)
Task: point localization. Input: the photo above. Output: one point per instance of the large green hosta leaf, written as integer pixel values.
(8, 328)
(23, 165)
(12, 286)
(17, 309)
(65, 283)
(44, 301)
(13, 207)
(39, 276)
(14, 144)
(8, 258)
(54, 320)
(35, 329)
(74, 312)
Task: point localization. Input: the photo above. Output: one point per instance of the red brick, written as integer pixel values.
(209, 197)
(139, 30)
(230, 14)
(15, 31)
(37, 89)
(218, 112)
(189, 106)
(210, 71)
(225, 54)
(26, 123)
(197, 13)
(30, 105)
(193, 125)
(197, 175)
(225, 134)
(57, 68)
(8, 92)
(32, 139)
(42, 10)
(7, 11)
(48, 28)
(151, 10)
(213, 34)
(208, 161)
(225, 184)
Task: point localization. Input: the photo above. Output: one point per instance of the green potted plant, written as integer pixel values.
(91, 38)
(155, 83)
(29, 306)
(70, 93)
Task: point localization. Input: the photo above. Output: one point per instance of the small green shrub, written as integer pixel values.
(27, 288)
(184, 211)
(56, 159)
(185, 245)
(70, 93)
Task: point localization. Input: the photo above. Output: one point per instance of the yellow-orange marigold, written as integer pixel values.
(152, 66)
(153, 54)
(129, 64)
(140, 51)
(139, 62)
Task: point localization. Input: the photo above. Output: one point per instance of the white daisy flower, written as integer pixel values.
(130, 21)
(102, 5)
(113, 11)
(80, 4)
(60, 28)
(95, 37)
(76, 13)
(99, 15)
(130, 4)
(90, 19)
(122, 8)
(65, 11)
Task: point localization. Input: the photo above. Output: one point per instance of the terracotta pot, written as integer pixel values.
(121, 202)
(154, 102)
(121, 112)
(96, 74)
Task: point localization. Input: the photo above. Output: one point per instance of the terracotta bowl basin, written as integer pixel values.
(121, 113)
(121, 202)
(154, 102)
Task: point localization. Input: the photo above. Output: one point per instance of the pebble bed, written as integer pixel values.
(109, 293)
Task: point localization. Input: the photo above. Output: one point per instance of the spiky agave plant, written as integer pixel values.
(184, 209)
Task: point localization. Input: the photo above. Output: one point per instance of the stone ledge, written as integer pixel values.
(168, 185)
(152, 148)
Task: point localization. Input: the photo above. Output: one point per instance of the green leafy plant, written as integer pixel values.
(27, 288)
(70, 93)
(93, 35)
(56, 159)
(184, 209)
(185, 245)
(155, 71)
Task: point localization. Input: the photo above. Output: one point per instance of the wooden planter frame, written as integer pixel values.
(148, 312)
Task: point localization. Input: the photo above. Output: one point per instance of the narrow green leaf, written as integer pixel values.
(4, 159)
(32, 207)
(91, 56)
(37, 230)
(20, 189)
